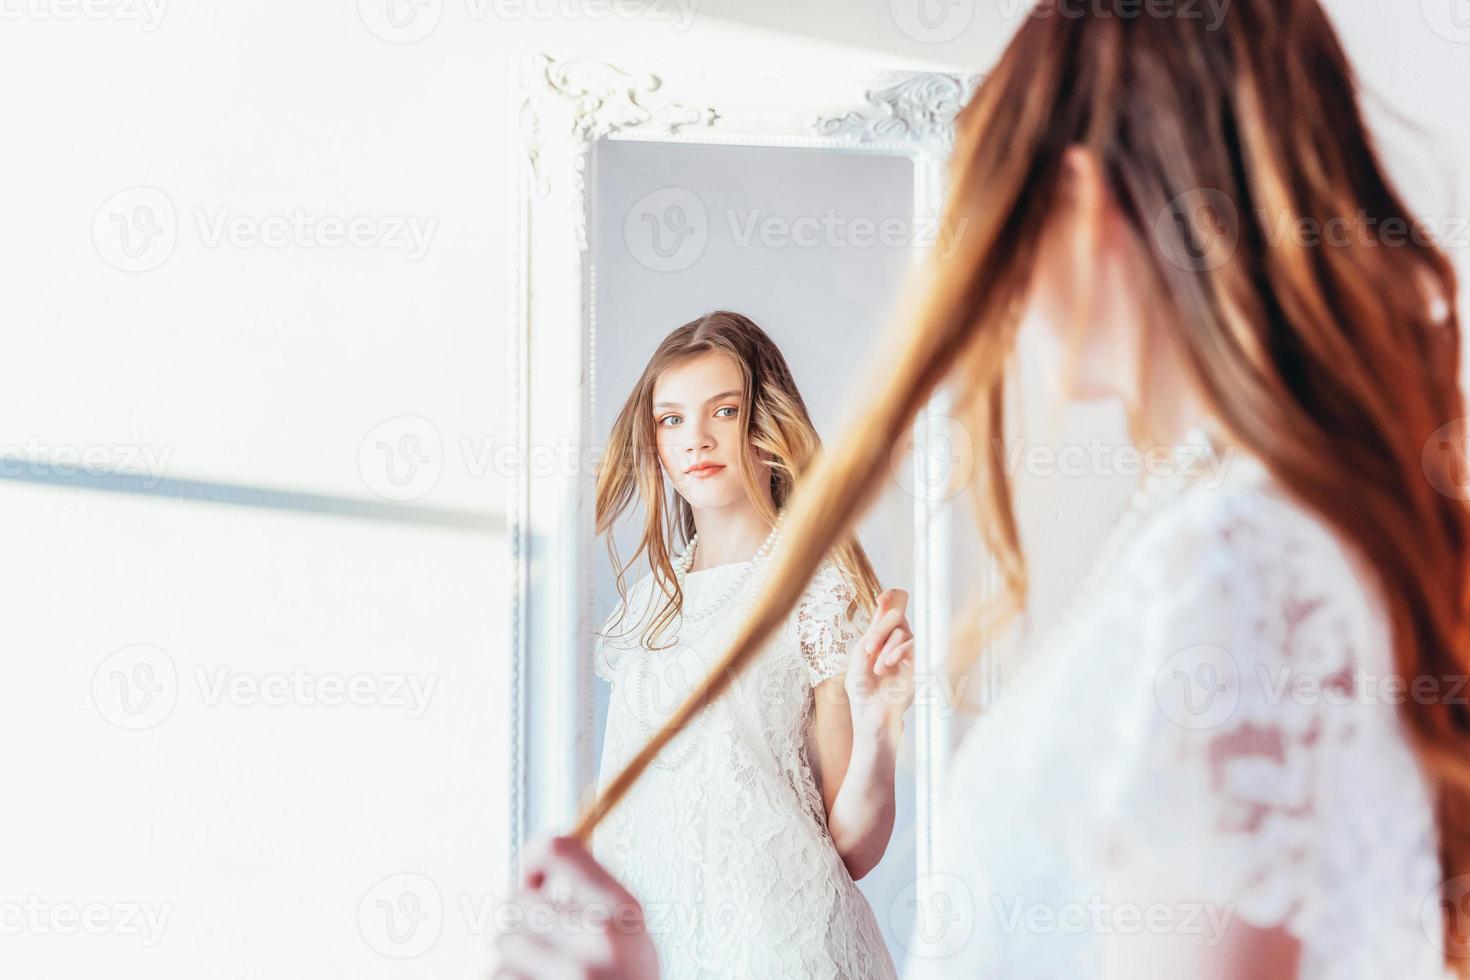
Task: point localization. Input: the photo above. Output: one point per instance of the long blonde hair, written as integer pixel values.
(1334, 365)
(778, 430)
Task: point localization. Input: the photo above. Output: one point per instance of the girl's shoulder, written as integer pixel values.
(1249, 552)
(1258, 524)
(829, 589)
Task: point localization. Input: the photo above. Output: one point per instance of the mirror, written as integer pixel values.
(647, 201)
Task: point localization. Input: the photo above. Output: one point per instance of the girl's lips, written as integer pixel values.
(704, 471)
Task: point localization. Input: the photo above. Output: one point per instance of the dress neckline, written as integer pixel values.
(718, 568)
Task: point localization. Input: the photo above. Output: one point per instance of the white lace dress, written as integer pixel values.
(1217, 722)
(724, 840)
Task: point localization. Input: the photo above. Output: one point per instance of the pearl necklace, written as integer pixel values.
(666, 759)
(685, 559)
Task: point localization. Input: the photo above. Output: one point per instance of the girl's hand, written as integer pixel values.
(575, 921)
(880, 673)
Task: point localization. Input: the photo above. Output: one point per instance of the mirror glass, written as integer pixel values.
(813, 244)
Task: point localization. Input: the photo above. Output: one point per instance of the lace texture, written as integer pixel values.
(1218, 731)
(824, 632)
(724, 841)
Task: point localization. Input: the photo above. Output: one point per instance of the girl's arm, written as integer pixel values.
(859, 721)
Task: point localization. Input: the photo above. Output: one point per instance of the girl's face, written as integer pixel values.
(700, 434)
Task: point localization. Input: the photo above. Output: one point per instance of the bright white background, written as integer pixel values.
(262, 830)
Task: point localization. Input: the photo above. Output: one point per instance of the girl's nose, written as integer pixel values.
(700, 437)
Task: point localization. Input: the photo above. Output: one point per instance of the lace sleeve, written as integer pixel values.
(1251, 763)
(824, 632)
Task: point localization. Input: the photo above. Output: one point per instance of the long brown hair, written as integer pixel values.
(778, 430)
(1334, 365)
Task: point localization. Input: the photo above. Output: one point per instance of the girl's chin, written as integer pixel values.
(710, 498)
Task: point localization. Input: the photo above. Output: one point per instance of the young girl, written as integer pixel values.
(743, 842)
(1246, 751)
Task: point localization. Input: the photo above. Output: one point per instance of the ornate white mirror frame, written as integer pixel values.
(563, 107)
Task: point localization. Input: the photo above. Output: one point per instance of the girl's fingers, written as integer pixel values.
(522, 951)
(888, 601)
(895, 651)
(898, 599)
(896, 638)
(882, 627)
(553, 940)
(526, 955)
(870, 633)
(900, 656)
(568, 858)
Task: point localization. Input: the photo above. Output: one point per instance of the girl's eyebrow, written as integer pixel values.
(734, 393)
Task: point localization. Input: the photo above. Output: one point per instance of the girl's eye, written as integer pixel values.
(670, 420)
(731, 409)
